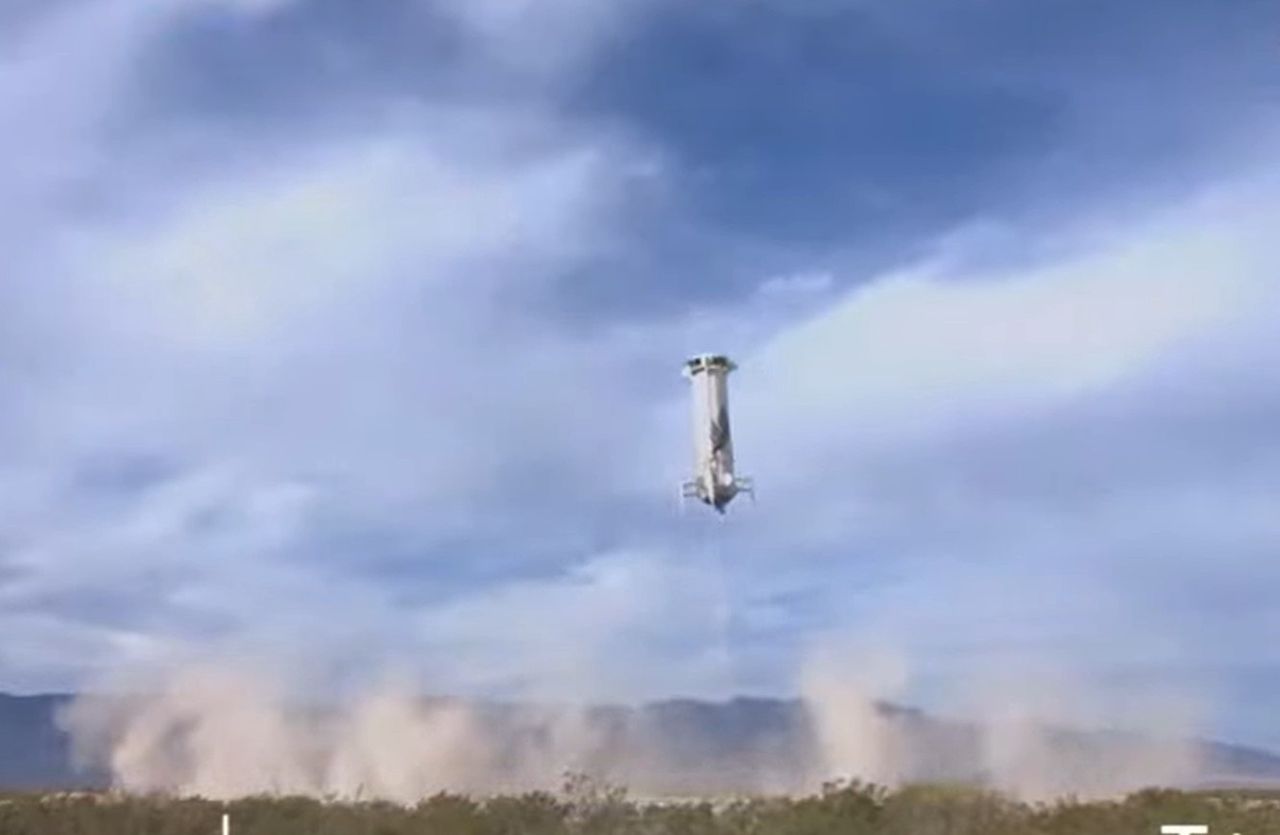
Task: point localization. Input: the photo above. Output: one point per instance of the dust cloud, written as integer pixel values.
(222, 731)
(1023, 739)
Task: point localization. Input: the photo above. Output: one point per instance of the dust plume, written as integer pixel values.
(844, 689)
(1025, 709)
(225, 731)
(220, 732)
(1022, 734)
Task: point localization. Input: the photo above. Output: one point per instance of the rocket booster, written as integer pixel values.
(714, 480)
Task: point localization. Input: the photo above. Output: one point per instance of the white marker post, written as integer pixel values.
(226, 824)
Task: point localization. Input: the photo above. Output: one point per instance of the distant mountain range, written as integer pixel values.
(686, 745)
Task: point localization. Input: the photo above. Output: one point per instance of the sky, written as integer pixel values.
(347, 336)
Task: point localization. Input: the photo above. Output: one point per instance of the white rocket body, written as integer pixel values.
(714, 480)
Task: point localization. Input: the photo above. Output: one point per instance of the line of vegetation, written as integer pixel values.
(589, 808)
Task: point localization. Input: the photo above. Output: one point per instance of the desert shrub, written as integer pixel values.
(589, 807)
(953, 810)
(535, 813)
